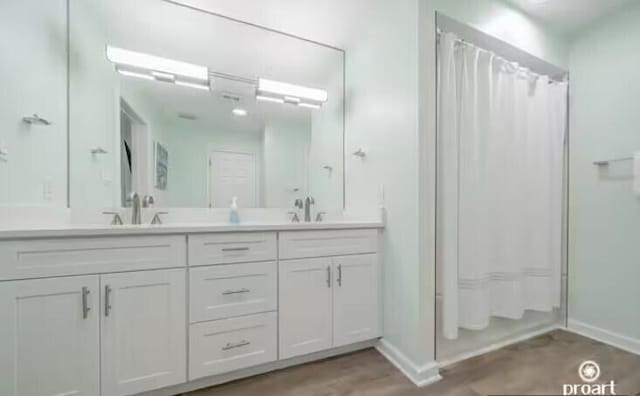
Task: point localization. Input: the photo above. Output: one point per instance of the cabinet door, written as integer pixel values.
(356, 299)
(143, 331)
(49, 337)
(305, 306)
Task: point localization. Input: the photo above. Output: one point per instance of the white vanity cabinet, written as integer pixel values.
(120, 315)
(224, 291)
(328, 301)
(356, 299)
(305, 306)
(143, 333)
(233, 302)
(49, 337)
(113, 333)
(226, 345)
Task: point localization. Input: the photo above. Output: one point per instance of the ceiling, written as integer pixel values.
(568, 16)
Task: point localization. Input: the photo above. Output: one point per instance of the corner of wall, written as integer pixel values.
(420, 375)
(608, 337)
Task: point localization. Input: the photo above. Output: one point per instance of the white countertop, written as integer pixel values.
(65, 231)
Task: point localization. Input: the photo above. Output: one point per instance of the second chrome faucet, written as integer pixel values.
(136, 207)
(306, 205)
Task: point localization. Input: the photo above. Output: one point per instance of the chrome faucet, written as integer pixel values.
(148, 201)
(307, 209)
(136, 203)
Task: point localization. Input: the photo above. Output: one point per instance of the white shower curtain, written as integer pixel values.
(500, 169)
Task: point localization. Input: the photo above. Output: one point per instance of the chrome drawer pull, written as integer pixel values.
(231, 345)
(239, 291)
(238, 249)
(328, 276)
(85, 302)
(107, 300)
(339, 275)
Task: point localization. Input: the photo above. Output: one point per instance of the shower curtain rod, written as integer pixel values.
(552, 80)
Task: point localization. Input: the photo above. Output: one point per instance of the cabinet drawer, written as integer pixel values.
(41, 258)
(304, 244)
(231, 344)
(209, 249)
(223, 291)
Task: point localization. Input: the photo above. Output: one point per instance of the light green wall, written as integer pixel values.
(93, 111)
(326, 186)
(32, 80)
(285, 164)
(189, 145)
(604, 253)
(501, 20)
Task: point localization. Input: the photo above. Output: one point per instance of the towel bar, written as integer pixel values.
(606, 162)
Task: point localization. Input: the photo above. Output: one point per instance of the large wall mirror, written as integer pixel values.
(33, 103)
(194, 109)
(168, 101)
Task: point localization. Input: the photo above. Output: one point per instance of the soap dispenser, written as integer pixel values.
(233, 214)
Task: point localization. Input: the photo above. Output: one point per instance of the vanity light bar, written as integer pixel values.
(162, 77)
(269, 99)
(129, 73)
(281, 92)
(291, 99)
(309, 105)
(157, 64)
(204, 87)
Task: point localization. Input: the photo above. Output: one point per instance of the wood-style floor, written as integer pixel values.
(539, 366)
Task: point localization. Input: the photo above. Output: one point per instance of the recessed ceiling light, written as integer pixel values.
(239, 112)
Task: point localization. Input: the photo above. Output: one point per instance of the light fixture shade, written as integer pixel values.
(128, 73)
(269, 99)
(290, 93)
(309, 105)
(204, 86)
(140, 60)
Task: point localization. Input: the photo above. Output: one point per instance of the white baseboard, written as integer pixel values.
(608, 337)
(419, 375)
(498, 345)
